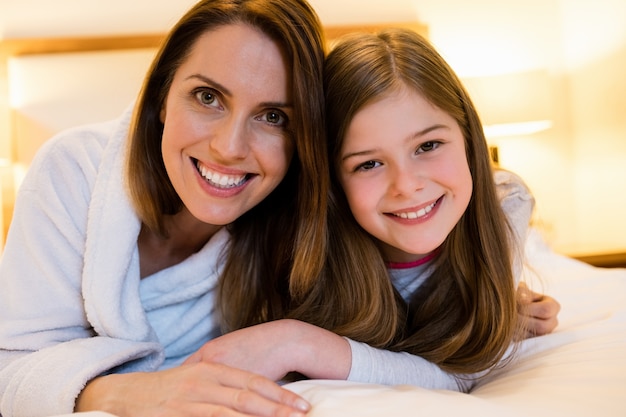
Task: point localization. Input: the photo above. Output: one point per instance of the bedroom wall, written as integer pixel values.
(576, 169)
(595, 56)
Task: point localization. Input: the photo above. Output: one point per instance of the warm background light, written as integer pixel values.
(559, 62)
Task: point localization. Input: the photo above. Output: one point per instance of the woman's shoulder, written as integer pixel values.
(86, 140)
(78, 150)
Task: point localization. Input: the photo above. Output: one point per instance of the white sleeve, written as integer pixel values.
(47, 346)
(378, 366)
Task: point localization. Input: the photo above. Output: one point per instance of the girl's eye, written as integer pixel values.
(274, 117)
(366, 166)
(207, 98)
(427, 147)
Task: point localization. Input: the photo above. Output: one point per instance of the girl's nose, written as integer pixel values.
(230, 138)
(404, 181)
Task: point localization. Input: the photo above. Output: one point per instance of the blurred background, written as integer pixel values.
(548, 77)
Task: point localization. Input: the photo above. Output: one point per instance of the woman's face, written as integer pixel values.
(405, 174)
(226, 142)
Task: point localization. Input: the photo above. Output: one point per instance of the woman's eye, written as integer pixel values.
(207, 98)
(275, 118)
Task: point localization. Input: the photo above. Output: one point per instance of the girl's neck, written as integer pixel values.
(411, 264)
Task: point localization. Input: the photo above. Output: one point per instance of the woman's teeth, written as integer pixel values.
(220, 180)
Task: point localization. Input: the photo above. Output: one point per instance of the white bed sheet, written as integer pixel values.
(577, 371)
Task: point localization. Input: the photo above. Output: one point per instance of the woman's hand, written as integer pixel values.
(278, 347)
(198, 389)
(539, 311)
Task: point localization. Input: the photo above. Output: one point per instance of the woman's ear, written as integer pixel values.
(162, 113)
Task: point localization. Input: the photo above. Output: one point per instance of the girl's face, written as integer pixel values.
(226, 142)
(405, 174)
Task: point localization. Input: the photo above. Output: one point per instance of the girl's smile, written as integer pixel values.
(415, 214)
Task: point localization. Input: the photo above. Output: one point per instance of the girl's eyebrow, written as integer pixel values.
(226, 91)
(416, 135)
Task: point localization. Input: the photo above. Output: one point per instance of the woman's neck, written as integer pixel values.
(186, 236)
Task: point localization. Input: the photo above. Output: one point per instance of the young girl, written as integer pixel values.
(411, 165)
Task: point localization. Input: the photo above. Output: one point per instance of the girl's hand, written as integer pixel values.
(540, 311)
(198, 389)
(278, 347)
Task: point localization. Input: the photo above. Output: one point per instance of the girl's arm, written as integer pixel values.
(276, 348)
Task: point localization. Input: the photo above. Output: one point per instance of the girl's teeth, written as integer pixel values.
(416, 214)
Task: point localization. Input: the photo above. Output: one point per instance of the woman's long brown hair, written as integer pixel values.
(464, 318)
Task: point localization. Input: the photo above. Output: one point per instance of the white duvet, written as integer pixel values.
(579, 370)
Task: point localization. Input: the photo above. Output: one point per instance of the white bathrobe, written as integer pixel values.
(70, 301)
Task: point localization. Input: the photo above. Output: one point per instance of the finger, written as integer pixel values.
(538, 327)
(272, 391)
(250, 402)
(526, 295)
(523, 294)
(261, 387)
(545, 309)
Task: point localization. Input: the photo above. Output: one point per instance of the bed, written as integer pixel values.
(577, 371)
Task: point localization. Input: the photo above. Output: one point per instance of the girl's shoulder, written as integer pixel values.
(509, 184)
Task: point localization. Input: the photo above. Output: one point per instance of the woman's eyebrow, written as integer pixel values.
(209, 81)
(227, 92)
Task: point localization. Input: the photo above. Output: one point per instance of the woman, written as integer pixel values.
(110, 271)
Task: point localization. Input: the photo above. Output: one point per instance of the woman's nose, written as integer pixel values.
(230, 138)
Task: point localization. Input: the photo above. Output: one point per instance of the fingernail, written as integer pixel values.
(302, 405)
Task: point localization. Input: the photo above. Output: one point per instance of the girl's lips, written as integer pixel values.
(417, 213)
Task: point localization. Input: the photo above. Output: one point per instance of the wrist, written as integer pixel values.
(318, 353)
(97, 395)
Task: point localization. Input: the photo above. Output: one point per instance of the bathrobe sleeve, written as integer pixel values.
(49, 348)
